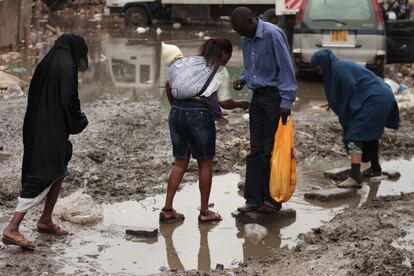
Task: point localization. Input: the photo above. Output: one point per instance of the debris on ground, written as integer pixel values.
(343, 173)
(11, 86)
(330, 194)
(142, 232)
(79, 208)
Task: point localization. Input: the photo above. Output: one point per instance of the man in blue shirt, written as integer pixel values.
(268, 71)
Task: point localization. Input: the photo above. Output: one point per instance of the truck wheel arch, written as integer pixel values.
(138, 7)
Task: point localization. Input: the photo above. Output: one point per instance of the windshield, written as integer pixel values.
(339, 14)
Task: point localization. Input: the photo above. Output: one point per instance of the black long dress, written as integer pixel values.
(53, 112)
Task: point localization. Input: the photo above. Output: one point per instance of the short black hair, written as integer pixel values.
(240, 15)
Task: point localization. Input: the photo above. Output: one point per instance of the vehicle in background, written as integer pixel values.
(353, 30)
(142, 12)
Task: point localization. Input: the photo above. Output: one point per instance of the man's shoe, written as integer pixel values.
(371, 173)
(268, 209)
(349, 183)
(247, 208)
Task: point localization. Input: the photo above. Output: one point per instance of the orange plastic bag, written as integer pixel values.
(283, 164)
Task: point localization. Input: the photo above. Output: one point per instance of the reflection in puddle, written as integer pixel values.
(189, 245)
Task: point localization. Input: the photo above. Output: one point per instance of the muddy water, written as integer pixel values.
(188, 245)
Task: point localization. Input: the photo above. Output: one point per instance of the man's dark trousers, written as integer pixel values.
(264, 113)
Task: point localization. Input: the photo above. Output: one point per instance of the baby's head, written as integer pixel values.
(170, 53)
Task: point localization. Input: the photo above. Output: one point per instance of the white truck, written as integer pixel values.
(142, 12)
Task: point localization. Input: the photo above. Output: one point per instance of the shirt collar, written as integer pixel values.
(259, 30)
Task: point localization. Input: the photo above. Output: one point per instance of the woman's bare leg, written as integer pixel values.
(176, 175)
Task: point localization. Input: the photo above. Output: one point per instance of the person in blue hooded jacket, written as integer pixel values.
(365, 105)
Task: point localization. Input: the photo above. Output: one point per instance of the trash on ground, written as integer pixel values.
(141, 30)
(16, 70)
(200, 34)
(7, 57)
(79, 208)
(158, 31)
(255, 231)
(98, 17)
(11, 86)
(177, 25)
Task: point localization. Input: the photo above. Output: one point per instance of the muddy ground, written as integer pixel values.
(125, 152)
(360, 241)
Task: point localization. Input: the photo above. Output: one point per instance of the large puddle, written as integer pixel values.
(188, 245)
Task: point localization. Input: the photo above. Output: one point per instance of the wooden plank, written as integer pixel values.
(9, 13)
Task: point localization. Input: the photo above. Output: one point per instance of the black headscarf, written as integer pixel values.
(53, 113)
(77, 47)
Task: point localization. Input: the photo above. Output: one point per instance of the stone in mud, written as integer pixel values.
(391, 174)
(97, 156)
(377, 179)
(219, 267)
(142, 232)
(331, 194)
(241, 185)
(338, 173)
(282, 214)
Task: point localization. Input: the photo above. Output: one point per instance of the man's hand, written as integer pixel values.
(284, 113)
(239, 84)
(244, 105)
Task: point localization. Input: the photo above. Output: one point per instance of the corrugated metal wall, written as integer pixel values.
(15, 17)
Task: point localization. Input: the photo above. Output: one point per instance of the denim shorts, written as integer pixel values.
(192, 130)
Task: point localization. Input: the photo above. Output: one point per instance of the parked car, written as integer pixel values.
(353, 30)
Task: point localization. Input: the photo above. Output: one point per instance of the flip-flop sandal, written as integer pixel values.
(207, 213)
(55, 231)
(19, 241)
(175, 218)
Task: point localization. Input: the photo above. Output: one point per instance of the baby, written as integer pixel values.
(171, 53)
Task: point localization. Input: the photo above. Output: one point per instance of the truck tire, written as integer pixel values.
(136, 16)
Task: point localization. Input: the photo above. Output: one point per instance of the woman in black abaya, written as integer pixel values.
(53, 113)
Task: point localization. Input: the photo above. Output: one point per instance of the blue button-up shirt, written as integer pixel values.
(267, 62)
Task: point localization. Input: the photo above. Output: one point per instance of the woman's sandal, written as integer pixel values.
(55, 231)
(19, 241)
(176, 216)
(213, 216)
